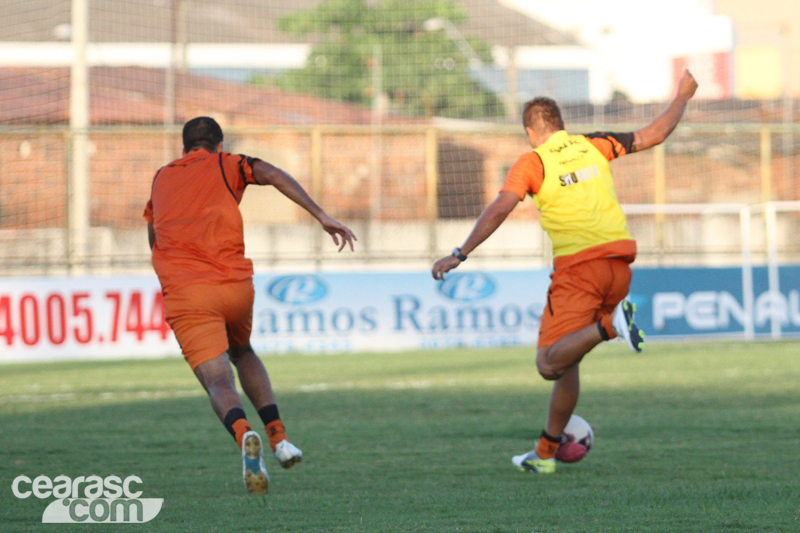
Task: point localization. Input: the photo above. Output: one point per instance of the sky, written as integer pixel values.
(637, 39)
(592, 17)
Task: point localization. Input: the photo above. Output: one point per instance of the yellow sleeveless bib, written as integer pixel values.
(577, 201)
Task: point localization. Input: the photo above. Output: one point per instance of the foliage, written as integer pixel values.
(381, 49)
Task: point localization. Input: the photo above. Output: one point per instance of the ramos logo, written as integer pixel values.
(297, 290)
(91, 499)
(467, 286)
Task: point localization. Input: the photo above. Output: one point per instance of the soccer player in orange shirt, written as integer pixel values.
(196, 234)
(570, 180)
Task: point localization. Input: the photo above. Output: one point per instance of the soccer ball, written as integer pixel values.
(576, 440)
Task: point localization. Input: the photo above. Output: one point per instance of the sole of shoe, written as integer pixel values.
(256, 480)
(291, 462)
(537, 466)
(633, 337)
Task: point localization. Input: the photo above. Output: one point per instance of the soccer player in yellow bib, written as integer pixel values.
(570, 179)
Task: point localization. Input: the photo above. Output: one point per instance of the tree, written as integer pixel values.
(371, 46)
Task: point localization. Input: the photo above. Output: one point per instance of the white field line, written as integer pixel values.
(103, 395)
(311, 387)
(416, 384)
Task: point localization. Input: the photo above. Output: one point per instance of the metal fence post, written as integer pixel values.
(766, 164)
(774, 288)
(78, 220)
(316, 187)
(660, 193)
(431, 188)
(745, 219)
(770, 229)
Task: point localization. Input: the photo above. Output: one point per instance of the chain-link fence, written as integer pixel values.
(401, 118)
(409, 192)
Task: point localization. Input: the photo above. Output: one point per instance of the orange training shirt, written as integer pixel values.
(194, 210)
(527, 175)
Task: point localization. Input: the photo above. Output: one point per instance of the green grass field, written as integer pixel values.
(689, 438)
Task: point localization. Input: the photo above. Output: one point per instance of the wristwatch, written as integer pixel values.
(457, 253)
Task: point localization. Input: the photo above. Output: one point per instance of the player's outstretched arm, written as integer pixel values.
(489, 220)
(266, 174)
(657, 131)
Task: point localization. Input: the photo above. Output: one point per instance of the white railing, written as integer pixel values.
(773, 235)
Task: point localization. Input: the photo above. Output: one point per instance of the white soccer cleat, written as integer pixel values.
(530, 462)
(624, 326)
(254, 473)
(288, 454)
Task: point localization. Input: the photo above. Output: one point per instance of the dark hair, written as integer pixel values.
(201, 132)
(542, 112)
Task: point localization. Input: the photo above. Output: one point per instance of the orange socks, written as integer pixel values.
(240, 427)
(272, 424)
(547, 447)
(606, 324)
(236, 424)
(275, 433)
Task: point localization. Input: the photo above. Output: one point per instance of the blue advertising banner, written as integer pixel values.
(332, 312)
(690, 301)
(400, 311)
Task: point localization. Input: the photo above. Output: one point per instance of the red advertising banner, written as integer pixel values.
(50, 318)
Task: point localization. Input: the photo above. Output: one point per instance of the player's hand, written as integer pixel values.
(443, 265)
(337, 231)
(687, 86)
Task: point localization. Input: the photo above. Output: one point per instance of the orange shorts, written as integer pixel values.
(581, 294)
(208, 319)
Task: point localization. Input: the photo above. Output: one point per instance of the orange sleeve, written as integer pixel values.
(246, 169)
(238, 171)
(148, 211)
(612, 145)
(526, 176)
